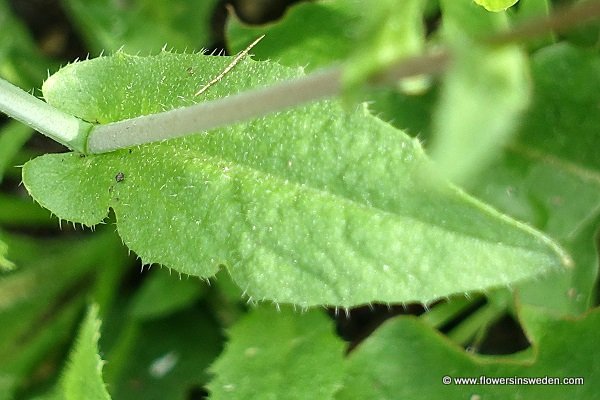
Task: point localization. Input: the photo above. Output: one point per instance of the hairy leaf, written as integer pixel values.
(83, 376)
(41, 301)
(279, 355)
(312, 206)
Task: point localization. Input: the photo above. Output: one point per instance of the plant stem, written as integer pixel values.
(62, 127)
(250, 104)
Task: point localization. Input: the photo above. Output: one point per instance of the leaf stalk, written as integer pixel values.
(57, 125)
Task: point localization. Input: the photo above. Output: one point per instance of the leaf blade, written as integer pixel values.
(296, 205)
(83, 376)
(298, 357)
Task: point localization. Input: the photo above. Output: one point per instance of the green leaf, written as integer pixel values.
(390, 31)
(20, 60)
(551, 178)
(529, 9)
(12, 137)
(143, 26)
(406, 359)
(563, 109)
(7, 387)
(332, 34)
(5, 264)
(163, 293)
(164, 358)
(482, 98)
(496, 5)
(42, 299)
(279, 355)
(298, 205)
(562, 202)
(22, 212)
(82, 378)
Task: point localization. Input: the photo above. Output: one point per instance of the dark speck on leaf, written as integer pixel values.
(120, 177)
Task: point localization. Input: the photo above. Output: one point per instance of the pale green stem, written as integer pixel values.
(62, 127)
(243, 106)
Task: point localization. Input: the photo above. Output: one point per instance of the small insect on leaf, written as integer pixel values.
(120, 177)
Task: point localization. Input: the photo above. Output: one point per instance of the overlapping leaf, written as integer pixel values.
(406, 359)
(550, 176)
(279, 355)
(310, 206)
(483, 94)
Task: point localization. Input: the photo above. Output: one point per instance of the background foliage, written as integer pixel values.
(453, 286)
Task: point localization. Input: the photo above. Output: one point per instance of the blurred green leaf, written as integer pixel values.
(163, 358)
(482, 97)
(406, 359)
(82, 377)
(163, 293)
(143, 26)
(20, 60)
(463, 19)
(13, 136)
(279, 355)
(5, 264)
(19, 211)
(496, 5)
(527, 10)
(40, 300)
(390, 31)
(40, 351)
(564, 117)
(258, 195)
